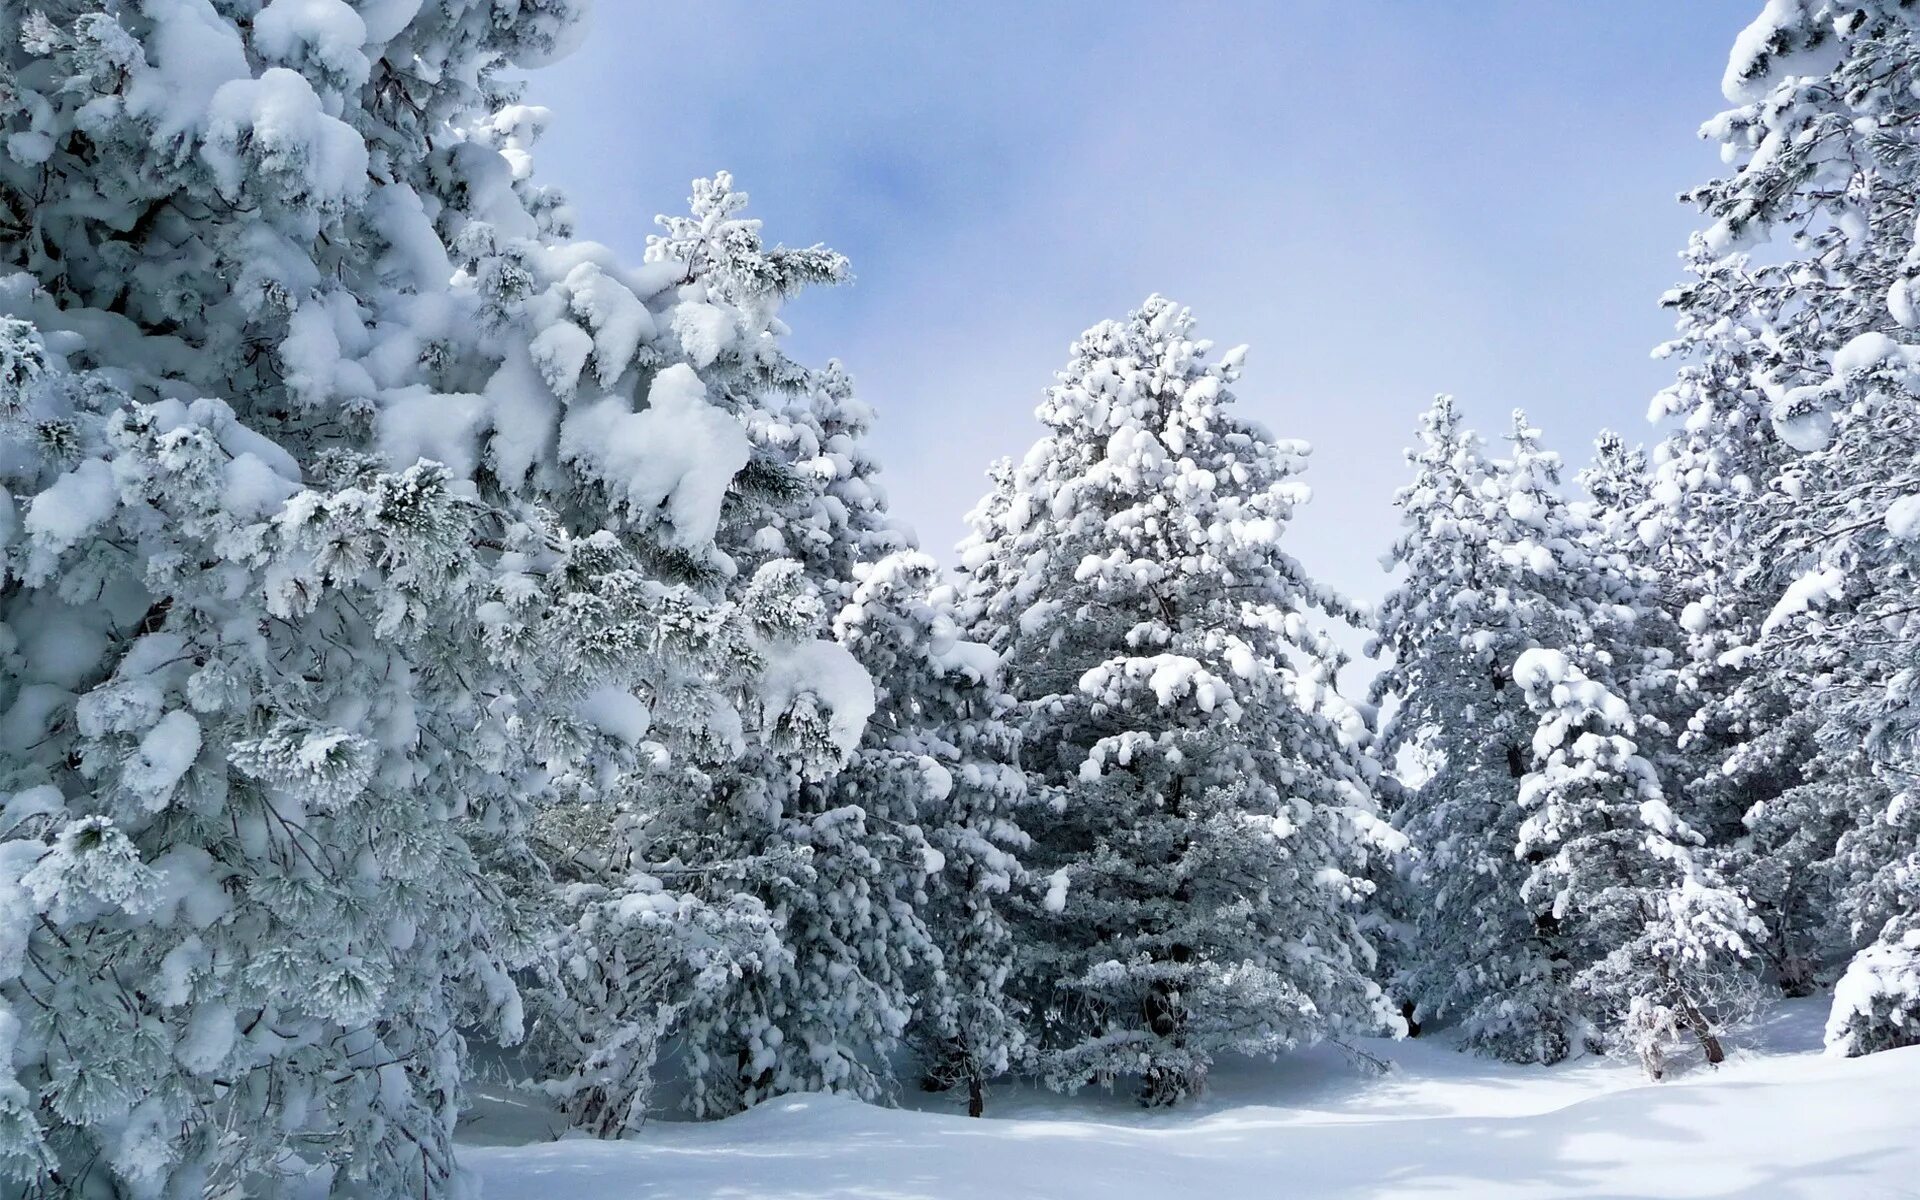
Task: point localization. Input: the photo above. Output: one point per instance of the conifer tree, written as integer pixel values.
(1501, 572)
(1655, 947)
(1206, 840)
(1468, 604)
(1797, 409)
(771, 896)
(353, 511)
(941, 736)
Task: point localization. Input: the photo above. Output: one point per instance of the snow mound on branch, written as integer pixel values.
(1057, 884)
(674, 458)
(278, 121)
(1785, 39)
(1170, 677)
(616, 712)
(325, 32)
(195, 52)
(1903, 517)
(1803, 593)
(165, 754)
(831, 675)
(79, 502)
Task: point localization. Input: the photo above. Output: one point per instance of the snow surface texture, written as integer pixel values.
(1782, 1121)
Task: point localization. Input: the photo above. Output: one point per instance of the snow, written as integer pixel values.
(1170, 677)
(705, 331)
(1903, 517)
(195, 51)
(676, 456)
(384, 19)
(1779, 1120)
(251, 489)
(165, 753)
(522, 417)
(1695, 617)
(1880, 973)
(328, 31)
(619, 320)
(1757, 62)
(416, 423)
(567, 38)
(1800, 420)
(209, 1039)
(560, 351)
(1803, 593)
(1541, 667)
(827, 672)
(617, 713)
(77, 504)
(279, 121)
(1865, 353)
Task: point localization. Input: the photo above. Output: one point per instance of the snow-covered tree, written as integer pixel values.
(1500, 570)
(638, 942)
(351, 510)
(1204, 849)
(1791, 468)
(793, 970)
(1468, 603)
(942, 743)
(1745, 755)
(1656, 946)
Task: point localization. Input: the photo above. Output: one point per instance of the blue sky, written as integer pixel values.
(1385, 200)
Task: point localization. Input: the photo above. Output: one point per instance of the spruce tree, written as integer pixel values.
(1202, 848)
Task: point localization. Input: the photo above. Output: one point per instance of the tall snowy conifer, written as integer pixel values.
(772, 879)
(1651, 944)
(1502, 575)
(1203, 852)
(1467, 605)
(1657, 948)
(1798, 406)
(940, 740)
(349, 510)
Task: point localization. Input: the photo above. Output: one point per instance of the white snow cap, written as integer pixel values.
(831, 675)
(674, 458)
(1056, 900)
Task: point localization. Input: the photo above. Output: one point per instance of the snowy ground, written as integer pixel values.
(1780, 1120)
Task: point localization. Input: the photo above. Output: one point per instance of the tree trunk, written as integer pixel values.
(1711, 1044)
(976, 1097)
(1709, 1041)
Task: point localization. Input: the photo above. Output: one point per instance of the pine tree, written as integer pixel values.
(1749, 780)
(769, 895)
(359, 514)
(1501, 573)
(1655, 945)
(1468, 604)
(942, 738)
(1210, 819)
(1797, 417)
